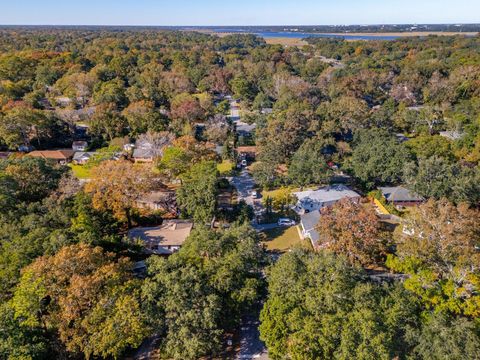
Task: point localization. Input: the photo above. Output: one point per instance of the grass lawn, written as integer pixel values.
(80, 172)
(225, 167)
(283, 239)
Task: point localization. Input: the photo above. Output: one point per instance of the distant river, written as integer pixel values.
(301, 35)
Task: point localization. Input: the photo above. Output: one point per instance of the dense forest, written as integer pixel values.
(383, 112)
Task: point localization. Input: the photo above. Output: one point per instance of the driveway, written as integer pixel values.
(263, 227)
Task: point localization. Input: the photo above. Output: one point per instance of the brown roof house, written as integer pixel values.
(59, 156)
(164, 239)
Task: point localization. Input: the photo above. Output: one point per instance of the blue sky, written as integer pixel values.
(240, 12)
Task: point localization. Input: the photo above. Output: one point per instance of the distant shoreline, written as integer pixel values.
(370, 34)
(406, 34)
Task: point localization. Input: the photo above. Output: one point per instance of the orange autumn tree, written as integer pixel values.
(116, 186)
(86, 296)
(353, 230)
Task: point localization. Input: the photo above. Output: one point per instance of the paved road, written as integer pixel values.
(251, 347)
(244, 184)
(146, 350)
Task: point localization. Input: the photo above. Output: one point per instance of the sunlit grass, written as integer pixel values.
(283, 239)
(80, 172)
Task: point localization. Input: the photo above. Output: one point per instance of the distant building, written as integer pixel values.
(308, 224)
(248, 152)
(165, 239)
(58, 156)
(400, 196)
(401, 137)
(311, 200)
(451, 135)
(4, 155)
(80, 146)
(82, 157)
(25, 148)
(244, 129)
(143, 155)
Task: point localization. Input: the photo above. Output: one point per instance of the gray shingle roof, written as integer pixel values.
(399, 194)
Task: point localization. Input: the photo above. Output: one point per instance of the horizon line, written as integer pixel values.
(258, 25)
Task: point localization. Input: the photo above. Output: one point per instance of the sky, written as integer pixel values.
(240, 12)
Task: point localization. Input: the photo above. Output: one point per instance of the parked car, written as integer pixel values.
(255, 194)
(285, 222)
(244, 162)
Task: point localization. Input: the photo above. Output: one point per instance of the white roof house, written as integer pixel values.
(311, 200)
(451, 135)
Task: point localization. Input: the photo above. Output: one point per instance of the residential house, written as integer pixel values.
(400, 196)
(162, 200)
(82, 157)
(401, 137)
(451, 135)
(164, 239)
(79, 146)
(308, 224)
(243, 128)
(25, 148)
(143, 155)
(247, 152)
(150, 146)
(311, 200)
(58, 156)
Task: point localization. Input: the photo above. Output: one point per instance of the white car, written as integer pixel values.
(285, 222)
(244, 163)
(254, 194)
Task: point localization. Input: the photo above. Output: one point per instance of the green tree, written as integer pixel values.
(197, 197)
(142, 116)
(425, 146)
(319, 308)
(110, 92)
(377, 157)
(443, 337)
(107, 122)
(19, 342)
(197, 294)
(174, 162)
(243, 88)
(308, 165)
(79, 293)
(31, 179)
(436, 177)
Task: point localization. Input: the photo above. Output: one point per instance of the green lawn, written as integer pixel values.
(283, 239)
(225, 167)
(80, 172)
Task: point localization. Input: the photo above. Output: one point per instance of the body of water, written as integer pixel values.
(301, 35)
